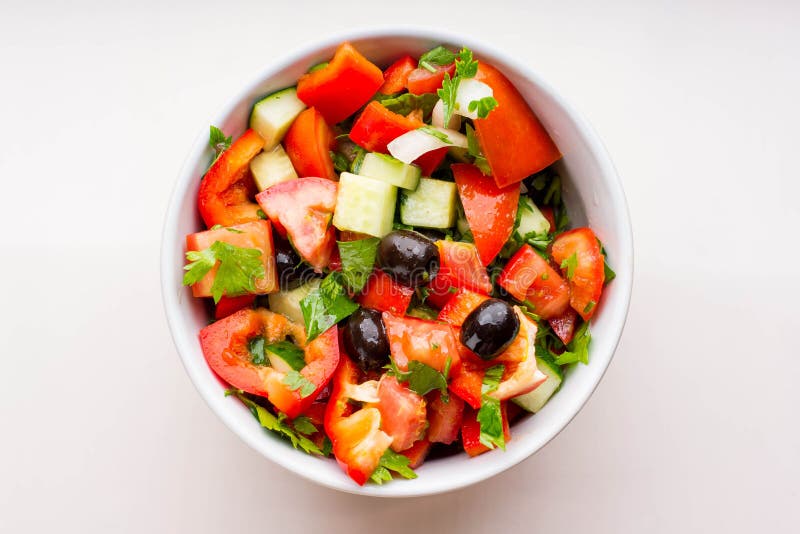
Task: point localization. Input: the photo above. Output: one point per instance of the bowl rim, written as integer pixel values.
(624, 258)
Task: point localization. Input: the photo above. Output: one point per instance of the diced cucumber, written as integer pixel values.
(432, 205)
(364, 205)
(530, 220)
(272, 167)
(273, 114)
(390, 170)
(287, 301)
(536, 399)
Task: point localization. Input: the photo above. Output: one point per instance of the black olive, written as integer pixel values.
(292, 270)
(490, 328)
(409, 257)
(365, 339)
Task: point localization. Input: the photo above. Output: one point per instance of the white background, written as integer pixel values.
(694, 427)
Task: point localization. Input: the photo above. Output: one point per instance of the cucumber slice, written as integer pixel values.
(432, 205)
(272, 167)
(273, 114)
(364, 205)
(530, 220)
(390, 170)
(537, 398)
(287, 301)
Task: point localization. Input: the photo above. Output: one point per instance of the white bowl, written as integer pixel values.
(593, 194)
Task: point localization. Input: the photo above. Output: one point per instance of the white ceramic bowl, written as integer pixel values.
(593, 195)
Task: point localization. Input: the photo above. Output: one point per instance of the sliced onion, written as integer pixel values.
(366, 392)
(470, 90)
(415, 143)
(437, 117)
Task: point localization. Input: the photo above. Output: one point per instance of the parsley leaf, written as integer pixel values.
(290, 353)
(608, 272)
(326, 305)
(256, 348)
(421, 377)
(491, 380)
(484, 106)
(437, 56)
(276, 424)
(474, 150)
(391, 461)
(238, 269)
(578, 348)
(296, 381)
(490, 415)
(466, 67)
(570, 264)
(340, 162)
(448, 95)
(358, 259)
(304, 425)
(408, 102)
(218, 141)
(441, 136)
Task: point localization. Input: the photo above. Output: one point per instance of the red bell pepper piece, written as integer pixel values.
(340, 88)
(308, 144)
(528, 276)
(513, 140)
(547, 211)
(224, 196)
(471, 431)
(384, 294)
(417, 453)
(460, 266)
(229, 305)
(466, 380)
(396, 76)
(564, 325)
(460, 305)
(424, 81)
(444, 418)
(439, 292)
(586, 283)
(491, 211)
(428, 342)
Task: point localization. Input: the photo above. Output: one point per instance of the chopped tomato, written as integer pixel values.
(396, 76)
(256, 234)
(417, 339)
(303, 209)
(528, 276)
(586, 284)
(229, 305)
(225, 190)
(340, 88)
(308, 144)
(460, 305)
(417, 453)
(358, 442)
(460, 266)
(513, 140)
(471, 431)
(430, 161)
(439, 292)
(403, 415)
(564, 325)
(424, 81)
(467, 379)
(445, 418)
(490, 211)
(547, 211)
(384, 294)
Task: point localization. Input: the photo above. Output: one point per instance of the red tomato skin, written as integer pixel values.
(444, 418)
(339, 89)
(308, 143)
(229, 305)
(528, 276)
(513, 140)
(491, 211)
(417, 453)
(460, 266)
(303, 209)
(395, 76)
(564, 325)
(417, 339)
(254, 234)
(424, 81)
(384, 294)
(471, 431)
(224, 197)
(547, 211)
(439, 292)
(403, 415)
(460, 306)
(467, 379)
(586, 285)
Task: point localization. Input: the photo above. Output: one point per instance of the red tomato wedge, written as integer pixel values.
(547, 211)
(466, 380)
(424, 81)
(471, 431)
(439, 292)
(303, 209)
(444, 418)
(460, 266)
(396, 76)
(403, 415)
(490, 211)
(586, 284)
(513, 140)
(225, 190)
(340, 88)
(417, 453)
(308, 144)
(460, 305)
(256, 234)
(564, 325)
(230, 305)
(417, 339)
(528, 276)
(358, 442)
(384, 294)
